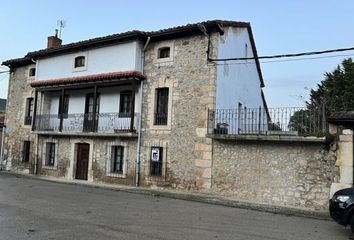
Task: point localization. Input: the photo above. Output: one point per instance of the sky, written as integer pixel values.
(278, 27)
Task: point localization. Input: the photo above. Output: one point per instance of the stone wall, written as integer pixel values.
(191, 81)
(280, 173)
(100, 156)
(17, 132)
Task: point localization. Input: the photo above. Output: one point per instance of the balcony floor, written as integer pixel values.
(88, 134)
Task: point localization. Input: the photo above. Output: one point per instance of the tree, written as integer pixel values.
(334, 93)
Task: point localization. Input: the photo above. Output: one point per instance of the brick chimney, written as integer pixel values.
(54, 41)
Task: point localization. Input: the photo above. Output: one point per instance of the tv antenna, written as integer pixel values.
(60, 25)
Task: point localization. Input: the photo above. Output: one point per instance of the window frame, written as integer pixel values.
(29, 111)
(26, 151)
(161, 52)
(125, 110)
(117, 159)
(80, 62)
(32, 72)
(161, 106)
(50, 154)
(64, 108)
(156, 167)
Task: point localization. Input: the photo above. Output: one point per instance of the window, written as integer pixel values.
(125, 104)
(164, 52)
(79, 62)
(161, 108)
(156, 161)
(50, 154)
(32, 72)
(65, 108)
(26, 151)
(117, 159)
(29, 111)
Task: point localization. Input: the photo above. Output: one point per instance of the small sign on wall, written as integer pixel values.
(155, 154)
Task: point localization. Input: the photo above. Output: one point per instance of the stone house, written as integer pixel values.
(129, 108)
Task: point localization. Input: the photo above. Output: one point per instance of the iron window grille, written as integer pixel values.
(156, 161)
(50, 154)
(161, 109)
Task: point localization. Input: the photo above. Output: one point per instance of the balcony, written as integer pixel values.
(86, 124)
(285, 122)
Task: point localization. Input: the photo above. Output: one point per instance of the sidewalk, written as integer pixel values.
(188, 196)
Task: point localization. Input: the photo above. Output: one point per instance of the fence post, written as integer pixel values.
(324, 117)
(259, 120)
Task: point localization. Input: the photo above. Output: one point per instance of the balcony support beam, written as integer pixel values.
(34, 110)
(62, 109)
(133, 107)
(94, 110)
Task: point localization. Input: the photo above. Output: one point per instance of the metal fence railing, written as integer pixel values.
(78, 122)
(272, 121)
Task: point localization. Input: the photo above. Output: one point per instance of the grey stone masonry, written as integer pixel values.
(17, 131)
(280, 173)
(191, 82)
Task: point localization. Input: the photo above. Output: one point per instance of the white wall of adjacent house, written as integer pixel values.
(115, 58)
(238, 82)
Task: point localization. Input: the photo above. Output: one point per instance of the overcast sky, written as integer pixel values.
(278, 27)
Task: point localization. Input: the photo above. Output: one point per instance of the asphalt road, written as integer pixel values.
(34, 209)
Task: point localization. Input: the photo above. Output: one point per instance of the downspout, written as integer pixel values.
(138, 148)
(2, 148)
(36, 141)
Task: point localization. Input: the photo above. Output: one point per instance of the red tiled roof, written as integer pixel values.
(89, 78)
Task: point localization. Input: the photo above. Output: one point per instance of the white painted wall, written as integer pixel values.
(120, 57)
(237, 82)
(109, 108)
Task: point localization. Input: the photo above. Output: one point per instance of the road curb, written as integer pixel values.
(196, 197)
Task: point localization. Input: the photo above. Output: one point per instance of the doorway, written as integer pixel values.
(82, 160)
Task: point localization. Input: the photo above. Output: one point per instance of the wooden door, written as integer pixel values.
(82, 160)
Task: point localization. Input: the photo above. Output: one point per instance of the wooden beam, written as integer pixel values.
(133, 107)
(34, 110)
(62, 109)
(94, 110)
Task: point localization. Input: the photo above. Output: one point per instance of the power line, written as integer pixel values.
(285, 55)
(4, 71)
(287, 60)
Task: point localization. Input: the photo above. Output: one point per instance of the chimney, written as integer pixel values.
(54, 41)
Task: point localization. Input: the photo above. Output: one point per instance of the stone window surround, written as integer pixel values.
(164, 44)
(164, 146)
(24, 112)
(30, 78)
(109, 159)
(73, 158)
(83, 68)
(44, 150)
(152, 105)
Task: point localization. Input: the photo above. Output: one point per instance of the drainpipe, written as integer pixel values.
(138, 148)
(2, 148)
